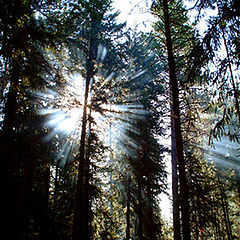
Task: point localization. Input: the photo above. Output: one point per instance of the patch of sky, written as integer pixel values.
(136, 14)
(202, 21)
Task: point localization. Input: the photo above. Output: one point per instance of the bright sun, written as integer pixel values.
(63, 111)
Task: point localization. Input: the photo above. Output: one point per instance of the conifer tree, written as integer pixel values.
(95, 26)
(172, 42)
(23, 39)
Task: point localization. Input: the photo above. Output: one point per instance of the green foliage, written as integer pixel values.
(44, 42)
(222, 36)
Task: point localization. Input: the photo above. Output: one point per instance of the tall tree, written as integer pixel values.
(175, 193)
(23, 39)
(95, 24)
(168, 22)
(145, 163)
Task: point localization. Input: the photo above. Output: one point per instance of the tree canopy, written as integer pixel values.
(92, 111)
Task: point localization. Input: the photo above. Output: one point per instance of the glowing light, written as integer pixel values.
(63, 110)
(223, 154)
(69, 124)
(137, 13)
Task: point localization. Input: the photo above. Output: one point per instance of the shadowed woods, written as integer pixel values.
(88, 105)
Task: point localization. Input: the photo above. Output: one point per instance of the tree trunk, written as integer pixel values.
(177, 128)
(56, 182)
(88, 196)
(81, 212)
(214, 210)
(140, 212)
(175, 195)
(150, 226)
(9, 168)
(80, 230)
(237, 174)
(111, 158)
(43, 206)
(11, 104)
(26, 207)
(225, 212)
(128, 209)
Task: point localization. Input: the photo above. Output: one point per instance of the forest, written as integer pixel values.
(93, 111)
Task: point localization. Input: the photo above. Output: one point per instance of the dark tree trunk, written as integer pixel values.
(81, 212)
(230, 236)
(26, 199)
(11, 199)
(238, 182)
(56, 183)
(81, 215)
(177, 128)
(140, 210)
(89, 196)
(175, 194)
(9, 168)
(151, 230)
(225, 212)
(111, 157)
(128, 209)
(11, 103)
(214, 210)
(43, 206)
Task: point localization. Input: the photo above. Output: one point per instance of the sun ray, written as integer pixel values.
(63, 113)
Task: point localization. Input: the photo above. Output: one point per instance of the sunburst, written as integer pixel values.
(63, 112)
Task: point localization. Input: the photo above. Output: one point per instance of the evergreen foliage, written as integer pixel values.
(84, 105)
